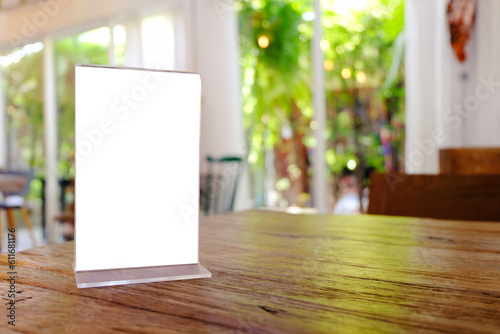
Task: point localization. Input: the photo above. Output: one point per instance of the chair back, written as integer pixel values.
(458, 197)
(14, 183)
(220, 186)
(469, 161)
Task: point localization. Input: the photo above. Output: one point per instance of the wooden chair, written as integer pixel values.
(219, 191)
(460, 197)
(13, 186)
(469, 161)
(68, 215)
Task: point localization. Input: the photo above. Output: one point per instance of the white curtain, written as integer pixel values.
(448, 103)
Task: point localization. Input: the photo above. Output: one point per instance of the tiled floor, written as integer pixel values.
(23, 240)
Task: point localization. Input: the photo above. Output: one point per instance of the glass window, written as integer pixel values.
(88, 48)
(363, 47)
(23, 86)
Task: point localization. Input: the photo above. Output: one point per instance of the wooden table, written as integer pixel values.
(281, 273)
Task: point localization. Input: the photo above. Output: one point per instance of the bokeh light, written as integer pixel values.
(361, 77)
(324, 45)
(263, 42)
(351, 164)
(345, 73)
(328, 65)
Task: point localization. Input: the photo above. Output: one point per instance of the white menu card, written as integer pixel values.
(137, 167)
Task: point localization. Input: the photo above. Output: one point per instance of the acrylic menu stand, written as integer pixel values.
(137, 176)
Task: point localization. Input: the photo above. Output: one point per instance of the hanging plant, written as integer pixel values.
(461, 18)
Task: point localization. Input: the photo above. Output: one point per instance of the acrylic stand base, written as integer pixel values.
(110, 277)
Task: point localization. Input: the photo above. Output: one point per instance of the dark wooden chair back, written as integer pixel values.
(469, 161)
(458, 197)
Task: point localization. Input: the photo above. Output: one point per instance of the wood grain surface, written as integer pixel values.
(469, 161)
(281, 273)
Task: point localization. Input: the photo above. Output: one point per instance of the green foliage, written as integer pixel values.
(277, 78)
(68, 52)
(24, 93)
(272, 76)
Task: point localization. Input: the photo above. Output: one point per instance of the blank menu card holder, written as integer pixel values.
(137, 135)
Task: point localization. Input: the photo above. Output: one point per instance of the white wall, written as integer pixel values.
(217, 59)
(448, 103)
(216, 52)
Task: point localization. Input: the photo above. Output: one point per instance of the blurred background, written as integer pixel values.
(259, 71)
